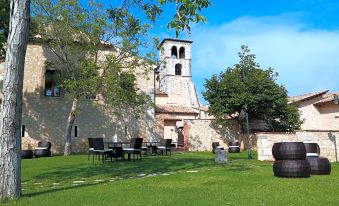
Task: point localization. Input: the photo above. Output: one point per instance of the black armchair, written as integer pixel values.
(135, 148)
(165, 145)
(43, 149)
(99, 149)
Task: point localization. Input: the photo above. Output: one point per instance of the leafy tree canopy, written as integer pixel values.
(249, 88)
(4, 25)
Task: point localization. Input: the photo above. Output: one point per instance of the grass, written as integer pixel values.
(180, 179)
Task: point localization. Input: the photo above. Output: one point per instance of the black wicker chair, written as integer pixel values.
(90, 147)
(135, 148)
(312, 149)
(165, 145)
(99, 149)
(233, 147)
(43, 149)
(26, 154)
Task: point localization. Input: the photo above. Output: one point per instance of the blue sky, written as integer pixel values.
(298, 38)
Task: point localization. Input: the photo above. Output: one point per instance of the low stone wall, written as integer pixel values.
(201, 133)
(325, 139)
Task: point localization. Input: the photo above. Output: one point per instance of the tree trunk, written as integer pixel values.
(68, 132)
(11, 111)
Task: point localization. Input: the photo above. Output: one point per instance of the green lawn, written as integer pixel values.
(180, 179)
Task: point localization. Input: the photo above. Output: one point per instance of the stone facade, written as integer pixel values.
(318, 110)
(202, 132)
(171, 86)
(45, 117)
(327, 140)
(175, 74)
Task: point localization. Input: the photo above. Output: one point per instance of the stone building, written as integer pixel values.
(320, 113)
(178, 113)
(176, 96)
(319, 110)
(45, 108)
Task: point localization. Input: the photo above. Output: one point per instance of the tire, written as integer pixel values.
(312, 148)
(319, 165)
(292, 168)
(234, 149)
(42, 153)
(289, 151)
(26, 154)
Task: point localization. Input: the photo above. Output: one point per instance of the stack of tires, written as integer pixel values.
(319, 165)
(290, 160)
(233, 147)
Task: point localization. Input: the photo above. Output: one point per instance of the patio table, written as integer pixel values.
(151, 147)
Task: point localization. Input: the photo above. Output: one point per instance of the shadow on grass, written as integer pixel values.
(83, 169)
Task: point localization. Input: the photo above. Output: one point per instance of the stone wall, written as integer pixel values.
(45, 117)
(325, 139)
(180, 90)
(201, 134)
(320, 117)
(179, 87)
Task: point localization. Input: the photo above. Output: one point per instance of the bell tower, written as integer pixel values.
(175, 74)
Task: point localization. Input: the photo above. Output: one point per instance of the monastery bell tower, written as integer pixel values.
(175, 74)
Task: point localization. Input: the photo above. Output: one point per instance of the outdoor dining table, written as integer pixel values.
(115, 144)
(151, 147)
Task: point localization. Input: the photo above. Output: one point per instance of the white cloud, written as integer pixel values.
(306, 59)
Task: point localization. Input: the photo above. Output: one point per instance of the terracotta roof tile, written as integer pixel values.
(175, 109)
(169, 117)
(305, 97)
(326, 98)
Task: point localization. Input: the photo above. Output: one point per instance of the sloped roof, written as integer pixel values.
(304, 97)
(204, 108)
(171, 39)
(175, 109)
(327, 98)
(170, 117)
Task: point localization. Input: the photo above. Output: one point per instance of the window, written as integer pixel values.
(174, 52)
(52, 89)
(75, 131)
(23, 130)
(127, 81)
(182, 53)
(178, 69)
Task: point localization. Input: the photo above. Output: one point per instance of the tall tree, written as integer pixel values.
(11, 108)
(75, 34)
(247, 87)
